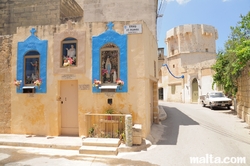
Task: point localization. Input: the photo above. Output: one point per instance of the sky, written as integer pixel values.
(221, 14)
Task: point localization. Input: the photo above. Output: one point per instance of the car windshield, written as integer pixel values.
(216, 95)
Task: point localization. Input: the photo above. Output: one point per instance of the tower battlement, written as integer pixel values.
(191, 38)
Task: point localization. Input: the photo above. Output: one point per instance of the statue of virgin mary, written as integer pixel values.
(108, 67)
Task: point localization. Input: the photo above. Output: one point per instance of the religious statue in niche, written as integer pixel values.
(31, 69)
(109, 66)
(69, 52)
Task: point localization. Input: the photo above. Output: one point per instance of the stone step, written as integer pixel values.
(98, 150)
(102, 142)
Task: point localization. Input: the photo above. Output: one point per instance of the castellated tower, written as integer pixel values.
(191, 52)
(188, 39)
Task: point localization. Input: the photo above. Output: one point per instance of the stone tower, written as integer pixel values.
(191, 39)
(191, 52)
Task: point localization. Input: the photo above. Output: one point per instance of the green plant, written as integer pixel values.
(91, 131)
(236, 56)
(120, 119)
(108, 135)
(109, 111)
(123, 136)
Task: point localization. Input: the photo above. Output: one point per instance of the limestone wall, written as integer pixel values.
(35, 12)
(5, 83)
(174, 92)
(243, 96)
(120, 10)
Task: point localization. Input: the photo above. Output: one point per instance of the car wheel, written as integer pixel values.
(228, 107)
(203, 104)
(211, 107)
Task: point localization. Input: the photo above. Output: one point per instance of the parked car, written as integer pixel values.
(214, 99)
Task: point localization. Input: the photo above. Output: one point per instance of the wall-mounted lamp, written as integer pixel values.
(186, 86)
(199, 86)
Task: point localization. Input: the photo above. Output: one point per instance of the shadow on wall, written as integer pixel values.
(171, 130)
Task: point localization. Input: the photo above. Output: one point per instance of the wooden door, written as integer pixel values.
(69, 107)
(195, 90)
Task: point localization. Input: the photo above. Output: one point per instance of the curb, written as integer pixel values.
(145, 144)
(162, 114)
(40, 145)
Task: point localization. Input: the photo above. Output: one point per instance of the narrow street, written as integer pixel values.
(190, 130)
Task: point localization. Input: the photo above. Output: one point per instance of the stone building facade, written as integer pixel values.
(191, 53)
(5, 83)
(24, 13)
(38, 110)
(35, 12)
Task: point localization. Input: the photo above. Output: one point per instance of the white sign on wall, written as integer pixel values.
(130, 29)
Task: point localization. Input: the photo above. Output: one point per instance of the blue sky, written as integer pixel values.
(218, 13)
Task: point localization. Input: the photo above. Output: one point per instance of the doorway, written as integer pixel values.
(194, 90)
(160, 91)
(69, 108)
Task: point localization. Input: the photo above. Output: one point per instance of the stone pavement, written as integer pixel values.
(72, 143)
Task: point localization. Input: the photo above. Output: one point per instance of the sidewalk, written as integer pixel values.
(58, 142)
(71, 143)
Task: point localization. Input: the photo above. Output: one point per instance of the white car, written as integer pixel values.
(214, 99)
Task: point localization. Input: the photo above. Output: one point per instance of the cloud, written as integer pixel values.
(169, 1)
(181, 1)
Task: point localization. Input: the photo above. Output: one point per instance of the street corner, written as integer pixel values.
(162, 113)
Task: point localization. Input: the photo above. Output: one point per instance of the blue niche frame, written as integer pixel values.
(110, 36)
(32, 43)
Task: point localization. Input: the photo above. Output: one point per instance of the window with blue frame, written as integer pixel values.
(31, 67)
(109, 68)
(69, 52)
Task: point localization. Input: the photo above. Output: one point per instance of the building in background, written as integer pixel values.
(191, 53)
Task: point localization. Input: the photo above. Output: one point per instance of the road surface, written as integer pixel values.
(190, 130)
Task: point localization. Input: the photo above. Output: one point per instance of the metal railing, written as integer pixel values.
(106, 125)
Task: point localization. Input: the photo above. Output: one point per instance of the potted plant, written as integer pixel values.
(97, 83)
(17, 83)
(38, 83)
(119, 83)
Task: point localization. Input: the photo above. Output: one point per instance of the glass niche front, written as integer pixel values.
(109, 64)
(31, 67)
(69, 52)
